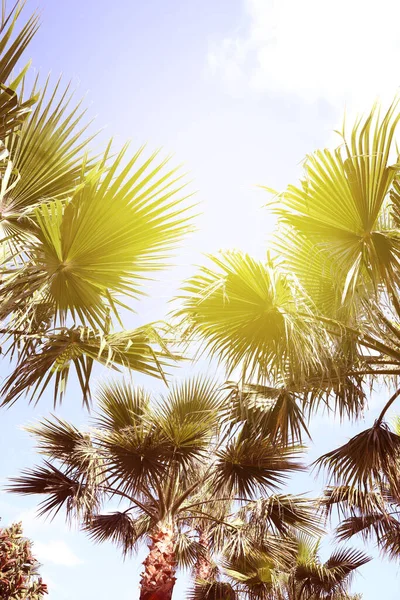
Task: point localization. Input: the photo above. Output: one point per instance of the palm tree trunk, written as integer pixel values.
(158, 578)
(203, 569)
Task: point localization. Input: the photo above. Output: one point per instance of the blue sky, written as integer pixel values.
(239, 91)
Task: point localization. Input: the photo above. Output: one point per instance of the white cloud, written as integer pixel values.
(337, 50)
(57, 552)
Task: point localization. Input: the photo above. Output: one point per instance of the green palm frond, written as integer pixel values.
(53, 356)
(189, 416)
(14, 109)
(12, 48)
(338, 207)
(120, 405)
(254, 575)
(48, 152)
(121, 222)
(247, 313)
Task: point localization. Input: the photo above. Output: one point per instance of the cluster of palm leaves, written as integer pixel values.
(195, 473)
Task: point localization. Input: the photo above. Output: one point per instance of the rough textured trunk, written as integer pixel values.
(204, 570)
(158, 578)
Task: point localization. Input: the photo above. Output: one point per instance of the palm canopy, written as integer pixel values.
(372, 512)
(338, 232)
(153, 454)
(304, 577)
(160, 460)
(79, 235)
(247, 313)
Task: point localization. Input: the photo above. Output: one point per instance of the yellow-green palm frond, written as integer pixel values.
(317, 272)
(248, 314)
(121, 223)
(48, 152)
(52, 357)
(338, 209)
(14, 109)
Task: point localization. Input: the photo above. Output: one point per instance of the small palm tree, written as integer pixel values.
(157, 459)
(260, 530)
(303, 577)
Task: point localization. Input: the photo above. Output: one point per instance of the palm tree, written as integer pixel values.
(156, 458)
(319, 320)
(259, 530)
(78, 236)
(372, 512)
(303, 577)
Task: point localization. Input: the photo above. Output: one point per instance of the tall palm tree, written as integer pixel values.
(156, 458)
(319, 321)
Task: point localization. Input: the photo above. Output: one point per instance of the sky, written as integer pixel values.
(239, 91)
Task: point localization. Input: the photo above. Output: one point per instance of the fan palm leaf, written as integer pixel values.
(53, 356)
(100, 245)
(340, 204)
(247, 314)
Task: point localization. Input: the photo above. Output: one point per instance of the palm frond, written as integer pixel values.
(120, 405)
(54, 354)
(217, 590)
(14, 109)
(189, 417)
(282, 514)
(48, 153)
(62, 490)
(323, 580)
(121, 223)
(338, 207)
(369, 458)
(247, 314)
(276, 411)
(187, 550)
(120, 528)
(250, 464)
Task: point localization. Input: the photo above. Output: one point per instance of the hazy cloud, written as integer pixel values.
(342, 50)
(57, 552)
